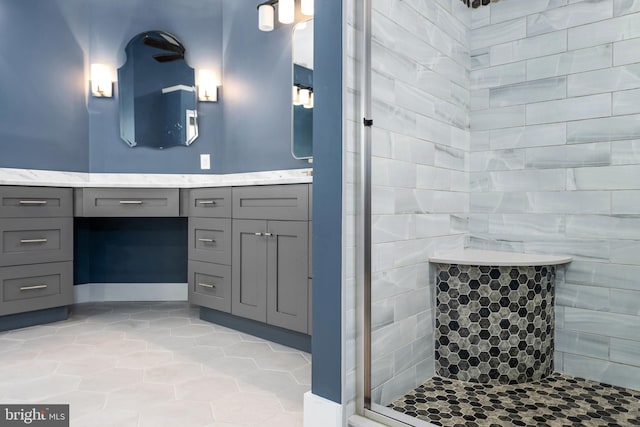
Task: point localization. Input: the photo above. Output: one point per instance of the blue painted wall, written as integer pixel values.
(44, 122)
(258, 77)
(130, 250)
(198, 25)
(327, 202)
(47, 121)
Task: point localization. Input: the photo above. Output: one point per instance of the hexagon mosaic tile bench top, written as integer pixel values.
(494, 324)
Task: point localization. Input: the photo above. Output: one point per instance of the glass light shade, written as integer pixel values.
(304, 96)
(266, 14)
(207, 86)
(101, 82)
(296, 95)
(286, 11)
(306, 7)
(309, 103)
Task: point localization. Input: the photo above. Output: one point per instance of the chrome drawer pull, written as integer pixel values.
(207, 240)
(207, 202)
(268, 234)
(34, 240)
(207, 285)
(33, 202)
(130, 202)
(34, 287)
(259, 234)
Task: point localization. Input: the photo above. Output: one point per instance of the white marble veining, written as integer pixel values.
(531, 47)
(569, 16)
(606, 31)
(532, 91)
(574, 61)
(497, 258)
(34, 177)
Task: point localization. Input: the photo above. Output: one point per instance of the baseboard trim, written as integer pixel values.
(33, 318)
(321, 412)
(101, 292)
(278, 335)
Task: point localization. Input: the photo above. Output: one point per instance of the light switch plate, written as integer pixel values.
(205, 161)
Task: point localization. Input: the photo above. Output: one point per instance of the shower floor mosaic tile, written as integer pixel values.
(556, 401)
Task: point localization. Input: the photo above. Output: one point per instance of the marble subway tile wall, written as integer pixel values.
(554, 164)
(420, 142)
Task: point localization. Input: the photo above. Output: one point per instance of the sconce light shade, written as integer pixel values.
(309, 104)
(266, 14)
(286, 11)
(207, 86)
(306, 7)
(296, 95)
(101, 83)
(304, 96)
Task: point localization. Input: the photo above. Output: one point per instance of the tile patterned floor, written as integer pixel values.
(558, 400)
(153, 364)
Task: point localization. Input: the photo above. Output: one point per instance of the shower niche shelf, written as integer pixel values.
(495, 316)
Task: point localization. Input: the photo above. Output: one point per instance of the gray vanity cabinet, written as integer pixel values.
(36, 248)
(249, 252)
(269, 272)
(270, 255)
(127, 202)
(209, 269)
(287, 274)
(249, 269)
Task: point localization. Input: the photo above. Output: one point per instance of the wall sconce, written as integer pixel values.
(207, 86)
(286, 12)
(101, 82)
(303, 95)
(307, 7)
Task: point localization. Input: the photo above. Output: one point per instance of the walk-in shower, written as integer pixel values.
(513, 127)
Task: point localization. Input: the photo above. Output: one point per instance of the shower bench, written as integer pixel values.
(494, 315)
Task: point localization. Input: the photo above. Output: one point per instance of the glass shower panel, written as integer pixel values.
(418, 182)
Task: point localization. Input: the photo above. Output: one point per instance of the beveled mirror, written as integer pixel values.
(302, 140)
(158, 100)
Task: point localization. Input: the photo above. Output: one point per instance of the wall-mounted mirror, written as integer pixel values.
(302, 141)
(158, 104)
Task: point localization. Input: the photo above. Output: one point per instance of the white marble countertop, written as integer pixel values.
(34, 177)
(484, 257)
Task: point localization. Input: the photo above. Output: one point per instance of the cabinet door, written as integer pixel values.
(248, 271)
(287, 274)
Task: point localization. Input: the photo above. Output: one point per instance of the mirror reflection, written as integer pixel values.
(158, 105)
(302, 141)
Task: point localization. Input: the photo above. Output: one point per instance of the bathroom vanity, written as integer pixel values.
(248, 252)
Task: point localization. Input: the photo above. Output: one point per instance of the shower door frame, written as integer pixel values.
(364, 405)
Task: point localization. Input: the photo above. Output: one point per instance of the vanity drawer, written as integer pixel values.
(210, 202)
(34, 240)
(35, 202)
(127, 202)
(210, 240)
(210, 285)
(279, 202)
(35, 287)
